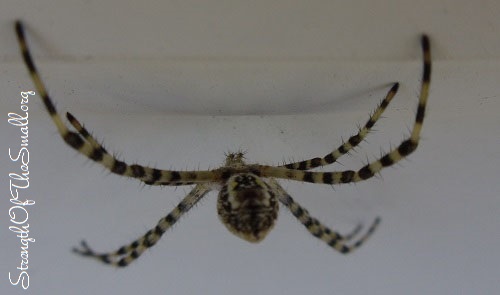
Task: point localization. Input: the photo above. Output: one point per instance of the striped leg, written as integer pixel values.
(404, 149)
(84, 132)
(333, 239)
(126, 254)
(91, 149)
(353, 141)
(107, 157)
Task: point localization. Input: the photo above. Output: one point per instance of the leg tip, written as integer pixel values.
(395, 87)
(424, 39)
(18, 24)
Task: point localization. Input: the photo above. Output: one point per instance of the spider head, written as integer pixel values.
(247, 207)
(235, 159)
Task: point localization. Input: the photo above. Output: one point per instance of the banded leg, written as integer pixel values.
(97, 153)
(353, 141)
(126, 254)
(333, 239)
(84, 132)
(403, 150)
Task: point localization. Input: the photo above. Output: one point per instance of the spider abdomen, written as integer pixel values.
(247, 207)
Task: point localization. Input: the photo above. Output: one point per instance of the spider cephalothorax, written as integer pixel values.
(249, 194)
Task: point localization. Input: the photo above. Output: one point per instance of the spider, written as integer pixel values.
(249, 194)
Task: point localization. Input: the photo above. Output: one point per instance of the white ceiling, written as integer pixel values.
(245, 57)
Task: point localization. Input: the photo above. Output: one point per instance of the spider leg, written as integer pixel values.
(128, 253)
(84, 132)
(353, 141)
(108, 160)
(349, 236)
(395, 155)
(93, 150)
(333, 239)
